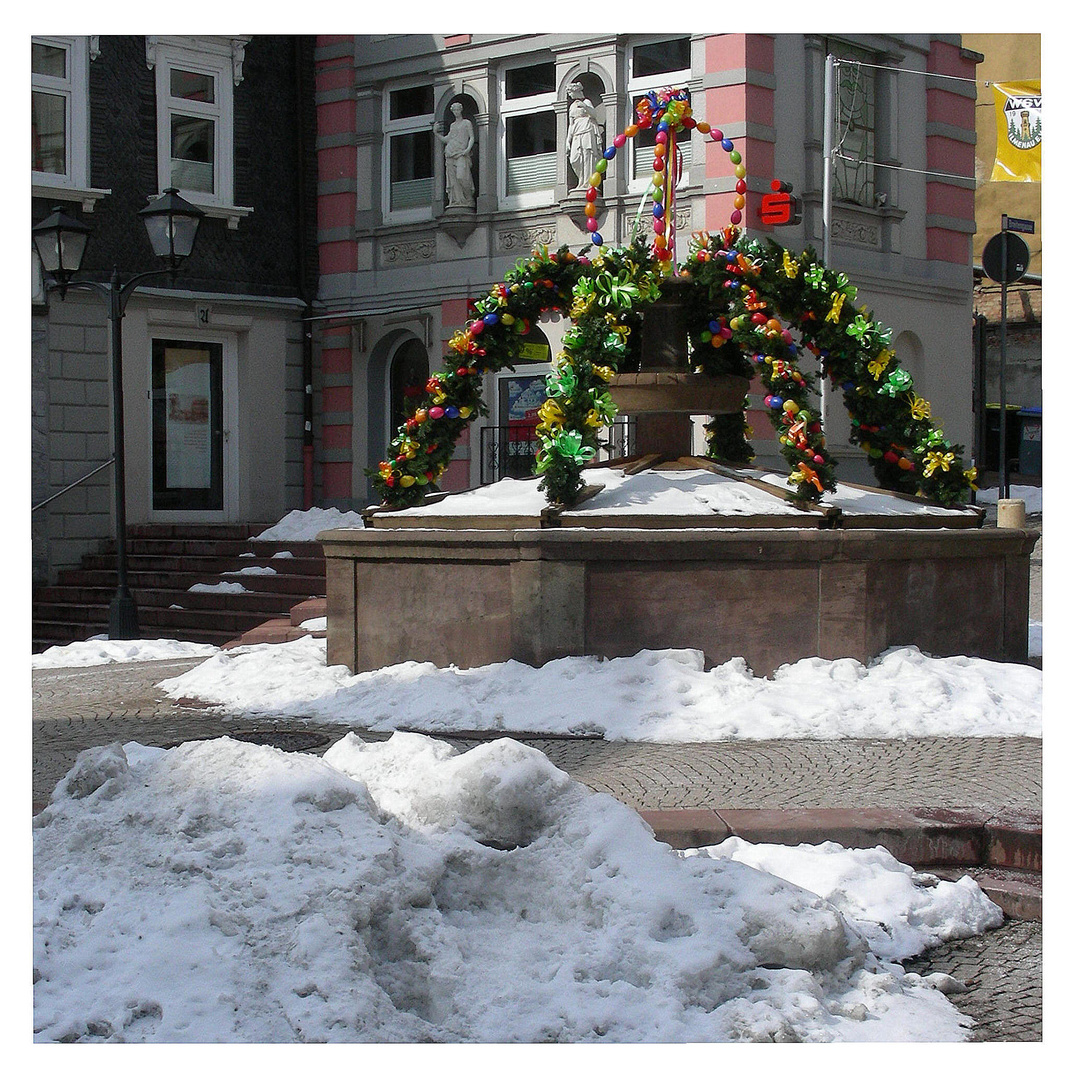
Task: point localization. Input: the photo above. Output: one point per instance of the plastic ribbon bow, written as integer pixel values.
(460, 341)
(845, 286)
(791, 267)
(816, 276)
(880, 363)
(937, 460)
(805, 472)
(860, 329)
(565, 444)
(561, 382)
(603, 404)
(550, 414)
(934, 437)
(920, 407)
(897, 382)
(834, 313)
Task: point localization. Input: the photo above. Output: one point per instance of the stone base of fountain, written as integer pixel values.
(464, 580)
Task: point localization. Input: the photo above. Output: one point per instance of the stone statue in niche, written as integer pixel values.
(458, 158)
(585, 142)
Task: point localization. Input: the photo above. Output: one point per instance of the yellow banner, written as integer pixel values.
(1020, 131)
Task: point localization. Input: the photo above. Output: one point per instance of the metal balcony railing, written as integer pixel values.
(506, 453)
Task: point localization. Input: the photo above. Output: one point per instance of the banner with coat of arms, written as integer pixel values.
(1020, 131)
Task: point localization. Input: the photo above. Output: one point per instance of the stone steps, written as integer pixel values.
(164, 562)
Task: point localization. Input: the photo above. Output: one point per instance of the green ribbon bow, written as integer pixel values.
(897, 382)
(564, 444)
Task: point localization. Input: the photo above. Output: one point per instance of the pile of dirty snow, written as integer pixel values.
(398, 891)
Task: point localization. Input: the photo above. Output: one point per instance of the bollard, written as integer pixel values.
(1011, 513)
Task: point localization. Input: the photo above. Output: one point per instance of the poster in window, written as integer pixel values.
(187, 419)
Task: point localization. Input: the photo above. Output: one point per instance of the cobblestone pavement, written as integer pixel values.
(1003, 973)
(76, 708)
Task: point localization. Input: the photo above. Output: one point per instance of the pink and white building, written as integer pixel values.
(399, 261)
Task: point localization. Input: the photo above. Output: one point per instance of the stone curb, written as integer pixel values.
(1005, 850)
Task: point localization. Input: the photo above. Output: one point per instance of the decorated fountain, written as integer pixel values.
(666, 549)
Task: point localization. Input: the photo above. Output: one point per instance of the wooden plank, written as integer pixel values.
(647, 461)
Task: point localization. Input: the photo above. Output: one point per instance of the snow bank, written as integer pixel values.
(899, 912)
(660, 696)
(307, 524)
(104, 651)
(397, 891)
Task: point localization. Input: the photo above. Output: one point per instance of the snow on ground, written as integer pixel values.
(300, 525)
(219, 587)
(103, 651)
(1032, 496)
(655, 696)
(398, 891)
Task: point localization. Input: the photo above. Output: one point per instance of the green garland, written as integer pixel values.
(752, 308)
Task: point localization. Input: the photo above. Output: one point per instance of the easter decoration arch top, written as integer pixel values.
(751, 307)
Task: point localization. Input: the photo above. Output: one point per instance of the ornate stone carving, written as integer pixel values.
(853, 231)
(645, 222)
(408, 251)
(526, 239)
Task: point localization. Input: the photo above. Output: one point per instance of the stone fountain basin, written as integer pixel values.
(680, 558)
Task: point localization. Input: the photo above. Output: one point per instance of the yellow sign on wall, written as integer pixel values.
(1020, 131)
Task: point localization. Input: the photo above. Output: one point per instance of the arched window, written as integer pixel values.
(408, 374)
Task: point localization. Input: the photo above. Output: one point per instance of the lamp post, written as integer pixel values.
(171, 224)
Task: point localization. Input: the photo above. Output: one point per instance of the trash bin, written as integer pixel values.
(1030, 454)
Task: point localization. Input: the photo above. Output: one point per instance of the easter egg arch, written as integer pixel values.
(750, 307)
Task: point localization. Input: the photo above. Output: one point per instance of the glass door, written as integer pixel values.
(187, 428)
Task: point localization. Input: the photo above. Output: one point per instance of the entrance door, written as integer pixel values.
(187, 426)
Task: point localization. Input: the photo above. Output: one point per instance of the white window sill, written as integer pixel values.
(89, 197)
(232, 215)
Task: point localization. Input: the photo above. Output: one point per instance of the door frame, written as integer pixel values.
(230, 465)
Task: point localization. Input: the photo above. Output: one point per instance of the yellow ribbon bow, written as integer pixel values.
(920, 407)
(834, 314)
(937, 460)
(880, 363)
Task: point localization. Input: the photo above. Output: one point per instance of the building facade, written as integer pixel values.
(445, 158)
(1007, 59)
(215, 362)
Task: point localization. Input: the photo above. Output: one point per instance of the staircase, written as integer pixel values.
(164, 562)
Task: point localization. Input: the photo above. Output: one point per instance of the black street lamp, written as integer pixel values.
(171, 224)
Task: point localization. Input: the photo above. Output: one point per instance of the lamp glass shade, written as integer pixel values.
(171, 224)
(60, 241)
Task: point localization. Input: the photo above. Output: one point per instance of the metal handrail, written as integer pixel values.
(63, 491)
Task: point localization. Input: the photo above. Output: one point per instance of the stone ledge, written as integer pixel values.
(1009, 843)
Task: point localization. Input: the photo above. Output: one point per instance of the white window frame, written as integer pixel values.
(74, 182)
(220, 112)
(406, 125)
(637, 88)
(223, 58)
(523, 106)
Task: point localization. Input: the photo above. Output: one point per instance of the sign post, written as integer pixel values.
(1005, 259)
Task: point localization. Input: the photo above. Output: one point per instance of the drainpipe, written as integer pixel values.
(302, 283)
